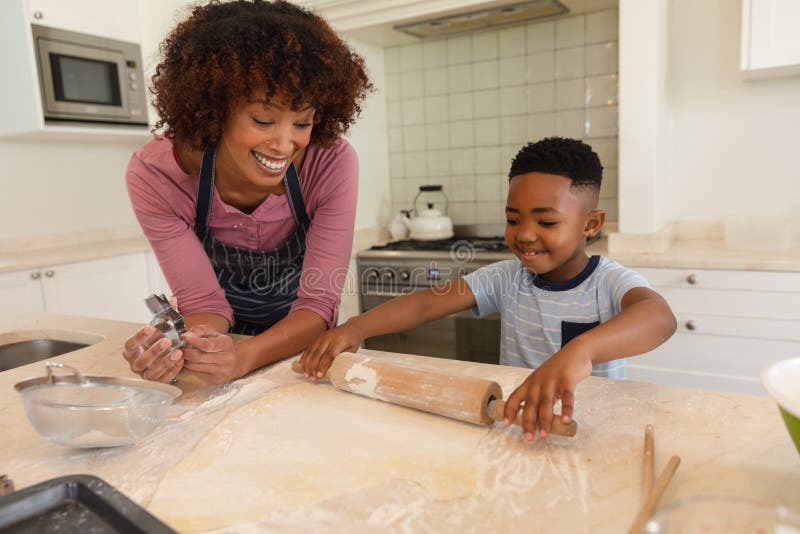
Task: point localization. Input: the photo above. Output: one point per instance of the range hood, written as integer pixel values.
(483, 19)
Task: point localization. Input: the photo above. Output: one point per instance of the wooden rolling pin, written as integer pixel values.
(465, 398)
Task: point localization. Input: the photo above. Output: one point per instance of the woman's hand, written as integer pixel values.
(554, 379)
(210, 355)
(149, 355)
(317, 358)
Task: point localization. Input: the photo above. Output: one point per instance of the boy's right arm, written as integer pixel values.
(397, 315)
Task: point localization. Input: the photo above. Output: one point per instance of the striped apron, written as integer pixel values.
(259, 285)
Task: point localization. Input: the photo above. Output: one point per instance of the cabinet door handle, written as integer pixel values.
(690, 325)
(36, 275)
(38, 15)
(692, 279)
(49, 273)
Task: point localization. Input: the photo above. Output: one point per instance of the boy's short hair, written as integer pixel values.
(570, 158)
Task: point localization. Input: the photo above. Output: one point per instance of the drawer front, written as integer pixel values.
(756, 304)
(697, 324)
(717, 279)
(684, 379)
(727, 356)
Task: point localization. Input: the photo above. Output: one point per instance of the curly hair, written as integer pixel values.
(570, 158)
(225, 52)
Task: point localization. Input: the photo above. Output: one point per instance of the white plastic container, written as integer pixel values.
(760, 234)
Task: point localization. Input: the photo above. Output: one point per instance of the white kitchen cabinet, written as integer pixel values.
(21, 292)
(731, 324)
(106, 288)
(155, 278)
(770, 37)
(116, 19)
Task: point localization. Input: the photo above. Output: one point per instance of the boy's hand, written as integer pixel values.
(317, 358)
(554, 379)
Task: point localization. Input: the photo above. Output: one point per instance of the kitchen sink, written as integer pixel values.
(24, 352)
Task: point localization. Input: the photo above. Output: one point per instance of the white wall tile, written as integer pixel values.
(541, 36)
(487, 160)
(541, 125)
(411, 84)
(541, 97)
(413, 139)
(413, 111)
(601, 90)
(396, 165)
(434, 54)
(487, 132)
(459, 50)
(395, 139)
(602, 26)
(504, 192)
(487, 187)
(485, 75)
(489, 213)
(513, 101)
(607, 150)
(459, 78)
(611, 207)
(512, 71)
(570, 94)
(437, 136)
(460, 106)
(507, 155)
(570, 63)
(601, 122)
(569, 124)
(394, 112)
(412, 188)
(602, 59)
(435, 81)
(438, 163)
(398, 191)
(415, 164)
(571, 32)
(393, 91)
(411, 57)
(608, 187)
(463, 189)
(486, 103)
(514, 129)
(541, 67)
(462, 161)
(391, 59)
(462, 134)
(484, 45)
(512, 41)
(436, 109)
(464, 213)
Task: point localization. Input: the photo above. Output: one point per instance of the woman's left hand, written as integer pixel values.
(209, 355)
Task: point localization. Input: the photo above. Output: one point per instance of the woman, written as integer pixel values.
(248, 199)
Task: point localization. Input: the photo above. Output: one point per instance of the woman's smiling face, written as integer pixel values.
(260, 140)
(547, 223)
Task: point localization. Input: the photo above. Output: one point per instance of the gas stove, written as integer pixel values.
(460, 250)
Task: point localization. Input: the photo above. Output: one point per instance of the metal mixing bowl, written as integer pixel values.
(94, 411)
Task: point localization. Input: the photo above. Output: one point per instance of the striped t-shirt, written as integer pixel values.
(539, 317)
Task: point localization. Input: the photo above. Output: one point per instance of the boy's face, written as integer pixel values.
(547, 223)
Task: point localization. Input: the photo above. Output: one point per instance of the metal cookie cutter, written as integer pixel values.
(166, 319)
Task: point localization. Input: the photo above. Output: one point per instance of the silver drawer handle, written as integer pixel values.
(36, 275)
(690, 325)
(692, 279)
(38, 15)
(49, 273)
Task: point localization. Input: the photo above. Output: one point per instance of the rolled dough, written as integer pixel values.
(306, 443)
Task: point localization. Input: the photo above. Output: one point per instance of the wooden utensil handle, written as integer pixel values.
(557, 427)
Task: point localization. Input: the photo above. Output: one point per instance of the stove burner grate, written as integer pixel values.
(478, 244)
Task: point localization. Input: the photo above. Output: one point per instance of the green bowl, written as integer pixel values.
(782, 382)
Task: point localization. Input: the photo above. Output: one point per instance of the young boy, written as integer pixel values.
(563, 313)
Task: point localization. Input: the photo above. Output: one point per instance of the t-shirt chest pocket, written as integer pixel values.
(570, 331)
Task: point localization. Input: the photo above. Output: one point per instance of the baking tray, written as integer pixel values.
(75, 503)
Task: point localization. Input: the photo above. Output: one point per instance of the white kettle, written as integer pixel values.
(430, 224)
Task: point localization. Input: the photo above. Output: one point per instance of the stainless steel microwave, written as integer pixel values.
(86, 78)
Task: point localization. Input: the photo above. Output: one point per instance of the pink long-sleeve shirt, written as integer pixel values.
(164, 196)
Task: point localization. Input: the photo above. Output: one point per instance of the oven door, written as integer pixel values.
(460, 336)
(82, 82)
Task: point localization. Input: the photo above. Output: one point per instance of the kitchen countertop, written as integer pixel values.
(730, 445)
